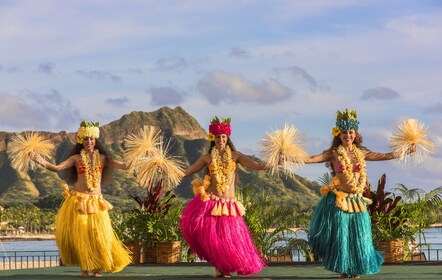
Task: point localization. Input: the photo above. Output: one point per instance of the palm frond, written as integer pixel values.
(412, 132)
(283, 147)
(23, 146)
(409, 195)
(325, 180)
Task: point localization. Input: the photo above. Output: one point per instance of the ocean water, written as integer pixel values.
(433, 237)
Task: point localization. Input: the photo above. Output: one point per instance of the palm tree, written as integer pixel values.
(267, 221)
(417, 201)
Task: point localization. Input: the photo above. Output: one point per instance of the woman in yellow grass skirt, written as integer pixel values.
(84, 233)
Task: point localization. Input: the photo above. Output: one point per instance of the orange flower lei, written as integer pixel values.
(222, 168)
(347, 166)
(93, 169)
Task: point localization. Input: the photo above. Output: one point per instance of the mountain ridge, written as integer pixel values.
(187, 138)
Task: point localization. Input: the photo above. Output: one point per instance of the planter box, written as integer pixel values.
(280, 258)
(135, 251)
(392, 250)
(168, 252)
(149, 254)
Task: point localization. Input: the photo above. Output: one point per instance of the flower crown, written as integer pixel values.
(345, 120)
(219, 127)
(88, 129)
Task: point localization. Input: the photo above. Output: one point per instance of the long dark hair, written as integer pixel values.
(336, 142)
(71, 175)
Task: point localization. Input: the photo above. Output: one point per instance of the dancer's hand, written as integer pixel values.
(412, 148)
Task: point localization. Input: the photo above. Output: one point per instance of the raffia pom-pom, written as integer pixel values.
(283, 148)
(141, 145)
(411, 133)
(160, 167)
(24, 146)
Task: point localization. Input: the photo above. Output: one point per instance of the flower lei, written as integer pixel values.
(93, 169)
(222, 168)
(347, 167)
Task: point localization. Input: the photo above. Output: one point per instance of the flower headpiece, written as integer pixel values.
(345, 120)
(219, 127)
(88, 129)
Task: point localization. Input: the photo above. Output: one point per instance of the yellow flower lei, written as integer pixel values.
(93, 169)
(347, 166)
(222, 168)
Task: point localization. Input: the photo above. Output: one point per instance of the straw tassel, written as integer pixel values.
(91, 209)
(361, 205)
(196, 183)
(350, 206)
(232, 209)
(341, 201)
(241, 208)
(216, 211)
(81, 206)
(355, 205)
(225, 210)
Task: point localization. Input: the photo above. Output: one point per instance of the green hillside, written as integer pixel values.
(42, 187)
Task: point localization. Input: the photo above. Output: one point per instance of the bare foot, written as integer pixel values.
(342, 276)
(84, 274)
(97, 274)
(218, 273)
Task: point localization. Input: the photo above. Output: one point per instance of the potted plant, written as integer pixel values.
(390, 222)
(267, 222)
(121, 222)
(154, 222)
(417, 201)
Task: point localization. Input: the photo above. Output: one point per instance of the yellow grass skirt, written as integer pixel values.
(85, 236)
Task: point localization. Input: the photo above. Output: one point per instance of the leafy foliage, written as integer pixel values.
(156, 218)
(402, 216)
(269, 223)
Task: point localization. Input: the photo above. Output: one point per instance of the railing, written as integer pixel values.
(429, 252)
(28, 259)
(40, 259)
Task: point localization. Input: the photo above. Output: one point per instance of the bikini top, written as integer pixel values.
(339, 169)
(81, 168)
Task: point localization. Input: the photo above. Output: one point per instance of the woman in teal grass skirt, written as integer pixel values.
(340, 229)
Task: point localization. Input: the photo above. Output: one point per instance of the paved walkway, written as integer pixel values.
(203, 271)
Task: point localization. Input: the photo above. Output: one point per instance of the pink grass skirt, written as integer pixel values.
(222, 240)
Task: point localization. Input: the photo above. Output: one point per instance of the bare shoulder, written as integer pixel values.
(75, 157)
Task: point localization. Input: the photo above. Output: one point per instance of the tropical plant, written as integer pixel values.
(156, 218)
(389, 217)
(267, 221)
(417, 201)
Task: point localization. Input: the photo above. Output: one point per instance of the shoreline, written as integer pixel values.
(43, 237)
(36, 237)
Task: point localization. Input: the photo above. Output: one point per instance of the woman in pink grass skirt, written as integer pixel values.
(212, 222)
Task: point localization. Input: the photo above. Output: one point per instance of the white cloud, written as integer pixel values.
(37, 111)
(219, 86)
(379, 93)
(166, 96)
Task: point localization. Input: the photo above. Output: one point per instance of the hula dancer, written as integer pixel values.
(340, 229)
(84, 233)
(212, 222)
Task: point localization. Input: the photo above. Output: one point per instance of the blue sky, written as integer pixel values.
(263, 63)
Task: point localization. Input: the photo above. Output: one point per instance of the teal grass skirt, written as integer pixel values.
(343, 240)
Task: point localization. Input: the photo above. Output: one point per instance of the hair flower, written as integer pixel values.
(336, 131)
(211, 137)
